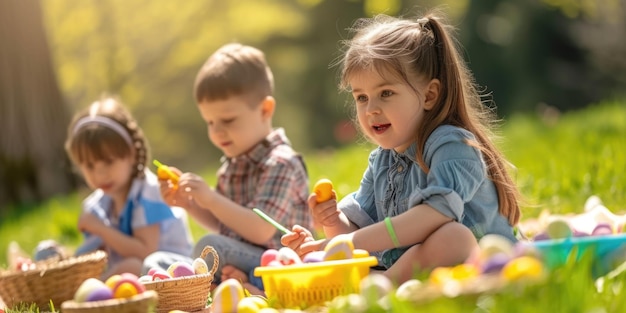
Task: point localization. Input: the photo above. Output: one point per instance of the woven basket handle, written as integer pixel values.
(216, 258)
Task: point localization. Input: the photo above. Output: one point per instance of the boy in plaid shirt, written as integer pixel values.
(233, 91)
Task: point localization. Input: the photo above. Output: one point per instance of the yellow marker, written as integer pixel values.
(324, 189)
(164, 172)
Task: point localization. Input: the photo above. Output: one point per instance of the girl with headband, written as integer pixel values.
(125, 214)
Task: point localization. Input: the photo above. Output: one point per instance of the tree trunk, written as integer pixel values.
(33, 117)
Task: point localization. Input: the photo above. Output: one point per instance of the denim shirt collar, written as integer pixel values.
(409, 153)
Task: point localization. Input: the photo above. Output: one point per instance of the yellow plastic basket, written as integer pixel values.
(305, 285)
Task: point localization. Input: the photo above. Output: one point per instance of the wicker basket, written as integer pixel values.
(53, 280)
(141, 303)
(189, 293)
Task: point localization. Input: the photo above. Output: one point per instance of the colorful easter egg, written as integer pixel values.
(491, 244)
(314, 257)
(112, 281)
(99, 294)
(145, 278)
(359, 253)
(268, 310)
(558, 229)
(227, 296)
(127, 287)
(125, 290)
(86, 288)
(180, 269)
(199, 266)
(602, 229)
(339, 248)
(160, 275)
(251, 304)
(522, 268)
(323, 188)
(495, 263)
(408, 289)
(464, 272)
(274, 263)
(268, 256)
(375, 286)
(440, 275)
(287, 256)
(153, 270)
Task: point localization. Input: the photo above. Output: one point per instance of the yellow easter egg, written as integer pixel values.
(524, 267)
(339, 248)
(227, 296)
(125, 290)
(112, 281)
(464, 272)
(359, 253)
(440, 275)
(199, 266)
(251, 305)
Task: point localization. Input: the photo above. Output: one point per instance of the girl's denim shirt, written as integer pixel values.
(457, 186)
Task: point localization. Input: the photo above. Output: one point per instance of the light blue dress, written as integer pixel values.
(144, 206)
(456, 185)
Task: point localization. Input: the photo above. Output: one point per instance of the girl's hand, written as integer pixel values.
(324, 213)
(90, 223)
(296, 238)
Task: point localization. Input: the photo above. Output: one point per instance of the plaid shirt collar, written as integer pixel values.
(262, 149)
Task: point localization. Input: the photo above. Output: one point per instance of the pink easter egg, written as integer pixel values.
(268, 256)
(180, 269)
(602, 229)
(160, 275)
(274, 263)
(153, 270)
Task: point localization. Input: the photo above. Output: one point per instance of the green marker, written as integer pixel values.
(271, 221)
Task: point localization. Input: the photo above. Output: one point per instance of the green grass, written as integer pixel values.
(559, 164)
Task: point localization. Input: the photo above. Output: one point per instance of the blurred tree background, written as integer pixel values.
(547, 55)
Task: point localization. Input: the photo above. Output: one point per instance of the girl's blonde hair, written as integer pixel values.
(106, 130)
(424, 49)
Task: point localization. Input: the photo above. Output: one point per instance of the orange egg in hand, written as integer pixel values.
(324, 190)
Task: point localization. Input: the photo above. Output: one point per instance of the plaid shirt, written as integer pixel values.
(271, 177)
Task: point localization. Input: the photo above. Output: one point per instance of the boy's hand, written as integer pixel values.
(194, 186)
(169, 190)
(294, 240)
(324, 213)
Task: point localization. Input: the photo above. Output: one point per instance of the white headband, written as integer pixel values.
(105, 121)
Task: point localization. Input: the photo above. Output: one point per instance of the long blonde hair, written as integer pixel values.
(424, 49)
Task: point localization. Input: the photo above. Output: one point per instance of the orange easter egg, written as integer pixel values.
(323, 188)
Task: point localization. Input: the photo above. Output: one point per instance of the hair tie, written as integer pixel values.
(104, 121)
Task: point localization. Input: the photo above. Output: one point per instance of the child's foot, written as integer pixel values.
(229, 271)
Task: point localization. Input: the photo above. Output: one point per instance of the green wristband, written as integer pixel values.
(392, 232)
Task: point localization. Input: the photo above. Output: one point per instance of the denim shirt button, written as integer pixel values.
(400, 168)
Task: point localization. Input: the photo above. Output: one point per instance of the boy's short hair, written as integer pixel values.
(234, 70)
